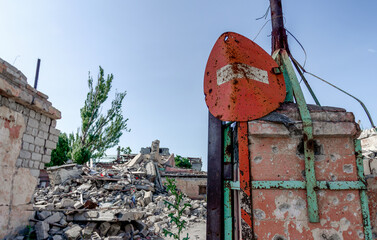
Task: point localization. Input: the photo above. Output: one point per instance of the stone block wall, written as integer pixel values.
(27, 137)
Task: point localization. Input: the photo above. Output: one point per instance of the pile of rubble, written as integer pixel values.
(368, 139)
(126, 201)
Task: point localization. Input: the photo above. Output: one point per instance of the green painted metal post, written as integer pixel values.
(363, 193)
(288, 85)
(306, 83)
(228, 218)
(322, 185)
(311, 182)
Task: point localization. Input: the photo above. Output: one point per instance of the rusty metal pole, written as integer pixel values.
(279, 41)
(278, 35)
(215, 194)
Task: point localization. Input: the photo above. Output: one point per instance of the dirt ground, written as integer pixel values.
(196, 231)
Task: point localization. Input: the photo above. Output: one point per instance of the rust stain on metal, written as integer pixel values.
(241, 82)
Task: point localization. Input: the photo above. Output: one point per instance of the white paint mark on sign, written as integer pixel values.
(241, 70)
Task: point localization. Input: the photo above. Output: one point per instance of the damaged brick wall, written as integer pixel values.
(276, 154)
(27, 137)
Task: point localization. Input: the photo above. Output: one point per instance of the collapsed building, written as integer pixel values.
(124, 200)
(192, 182)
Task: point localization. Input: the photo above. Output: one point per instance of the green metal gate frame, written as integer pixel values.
(311, 184)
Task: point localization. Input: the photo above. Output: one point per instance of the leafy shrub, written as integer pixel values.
(175, 217)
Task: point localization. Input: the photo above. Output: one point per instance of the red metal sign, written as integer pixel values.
(239, 81)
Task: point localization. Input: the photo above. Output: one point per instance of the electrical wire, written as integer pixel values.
(265, 15)
(323, 80)
(302, 47)
(260, 30)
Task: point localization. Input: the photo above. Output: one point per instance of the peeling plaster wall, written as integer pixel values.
(276, 154)
(27, 137)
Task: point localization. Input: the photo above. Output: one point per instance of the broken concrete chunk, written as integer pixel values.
(62, 175)
(143, 229)
(94, 216)
(41, 229)
(195, 206)
(88, 230)
(129, 228)
(114, 229)
(135, 160)
(63, 222)
(115, 238)
(67, 203)
(73, 233)
(106, 205)
(78, 205)
(54, 218)
(43, 215)
(147, 197)
(155, 146)
(96, 236)
(91, 214)
(160, 204)
(113, 187)
(55, 230)
(129, 216)
(151, 171)
(104, 228)
(84, 187)
(57, 237)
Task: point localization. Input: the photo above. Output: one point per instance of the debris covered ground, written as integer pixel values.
(125, 201)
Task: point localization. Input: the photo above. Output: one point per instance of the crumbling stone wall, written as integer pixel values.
(193, 186)
(27, 137)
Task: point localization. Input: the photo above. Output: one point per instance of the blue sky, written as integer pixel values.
(157, 51)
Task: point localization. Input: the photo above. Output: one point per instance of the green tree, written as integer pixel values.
(61, 154)
(98, 132)
(182, 162)
(123, 150)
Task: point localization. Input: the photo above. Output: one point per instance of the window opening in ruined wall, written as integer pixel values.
(202, 190)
